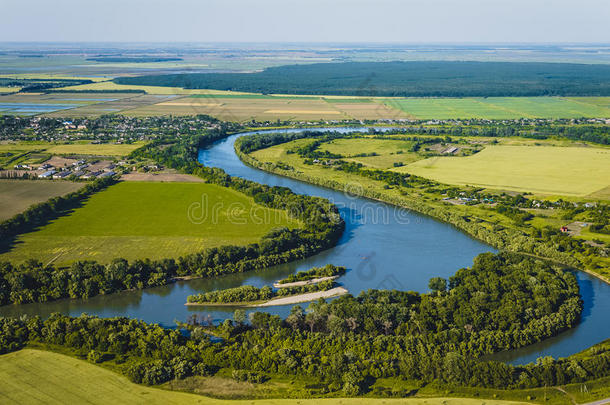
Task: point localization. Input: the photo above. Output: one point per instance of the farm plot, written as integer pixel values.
(18, 195)
(149, 220)
(572, 171)
(501, 107)
(246, 108)
(384, 153)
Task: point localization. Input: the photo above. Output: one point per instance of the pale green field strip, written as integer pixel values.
(77, 148)
(572, 171)
(18, 195)
(503, 107)
(32, 377)
(104, 149)
(149, 220)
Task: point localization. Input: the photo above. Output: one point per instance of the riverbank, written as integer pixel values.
(505, 238)
(296, 299)
(304, 282)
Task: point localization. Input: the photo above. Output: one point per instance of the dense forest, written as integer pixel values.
(503, 301)
(403, 79)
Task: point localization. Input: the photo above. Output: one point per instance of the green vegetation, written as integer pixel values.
(32, 281)
(499, 108)
(536, 231)
(99, 149)
(29, 377)
(18, 195)
(316, 272)
(402, 79)
(154, 220)
(569, 171)
(247, 294)
(503, 301)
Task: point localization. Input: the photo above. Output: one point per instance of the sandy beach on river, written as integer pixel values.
(304, 282)
(295, 299)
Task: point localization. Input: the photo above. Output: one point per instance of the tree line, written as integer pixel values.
(402, 79)
(502, 302)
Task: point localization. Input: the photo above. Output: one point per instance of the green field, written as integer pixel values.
(18, 195)
(104, 149)
(387, 152)
(29, 377)
(571, 171)
(10, 152)
(149, 220)
(502, 107)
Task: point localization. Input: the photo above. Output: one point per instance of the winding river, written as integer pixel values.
(383, 247)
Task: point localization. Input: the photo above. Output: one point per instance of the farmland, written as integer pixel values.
(149, 220)
(501, 107)
(571, 171)
(37, 152)
(87, 148)
(36, 377)
(239, 106)
(18, 195)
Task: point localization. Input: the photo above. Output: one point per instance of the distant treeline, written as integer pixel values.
(121, 59)
(403, 79)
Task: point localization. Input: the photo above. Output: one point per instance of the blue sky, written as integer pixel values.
(307, 20)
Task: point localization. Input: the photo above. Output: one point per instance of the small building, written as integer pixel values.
(450, 150)
(47, 174)
(62, 175)
(564, 229)
(107, 174)
(109, 167)
(91, 175)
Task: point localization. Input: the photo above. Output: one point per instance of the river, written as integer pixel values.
(383, 247)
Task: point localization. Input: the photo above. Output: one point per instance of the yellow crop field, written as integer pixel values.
(572, 171)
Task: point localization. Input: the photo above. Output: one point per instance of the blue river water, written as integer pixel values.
(383, 247)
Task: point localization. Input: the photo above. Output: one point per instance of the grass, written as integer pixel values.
(33, 152)
(576, 174)
(245, 109)
(40, 377)
(502, 107)
(18, 195)
(109, 85)
(387, 152)
(104, 149)
(241, 106)
(572, 171)
(149, 220)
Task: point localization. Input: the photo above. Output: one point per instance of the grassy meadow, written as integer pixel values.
(501, 107)
(103, 149)
(18, 195)
(386, 152)
(571, 171)
(149, 220)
